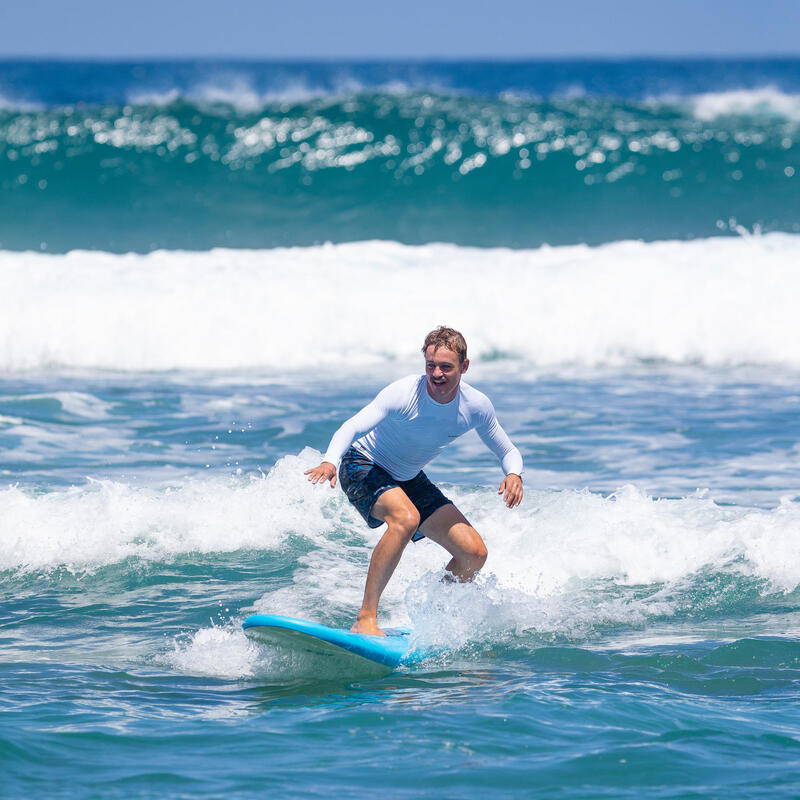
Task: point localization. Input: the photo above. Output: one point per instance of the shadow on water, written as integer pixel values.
(409, 689)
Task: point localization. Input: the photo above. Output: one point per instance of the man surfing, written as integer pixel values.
(381, 452)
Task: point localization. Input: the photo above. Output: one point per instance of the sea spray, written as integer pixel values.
(561, 564)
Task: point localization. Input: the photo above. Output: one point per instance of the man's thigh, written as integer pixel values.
(393, 505)
(448, 527)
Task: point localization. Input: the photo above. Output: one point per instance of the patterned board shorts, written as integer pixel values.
(363, 481)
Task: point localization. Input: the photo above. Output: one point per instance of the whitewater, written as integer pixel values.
(716, 302)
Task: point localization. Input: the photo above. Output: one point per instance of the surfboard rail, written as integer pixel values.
(392, 650)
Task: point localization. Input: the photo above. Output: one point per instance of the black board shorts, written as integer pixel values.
(363, 481)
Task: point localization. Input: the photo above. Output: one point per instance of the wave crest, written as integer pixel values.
(764, 101)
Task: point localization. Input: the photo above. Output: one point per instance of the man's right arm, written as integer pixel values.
(356, 426)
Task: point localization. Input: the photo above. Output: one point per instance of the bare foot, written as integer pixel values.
(367, 625)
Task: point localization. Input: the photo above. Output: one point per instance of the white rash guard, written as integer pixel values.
(403, 428)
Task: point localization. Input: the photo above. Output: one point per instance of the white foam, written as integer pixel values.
(569, 562)
(152, 97)
(766, 100)
(15, 104)
(565, 564)
(218, 652)
(104, 522)
(78, 404)
(238, 91)
(718, 301)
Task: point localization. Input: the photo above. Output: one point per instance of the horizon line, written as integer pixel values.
(364, 59)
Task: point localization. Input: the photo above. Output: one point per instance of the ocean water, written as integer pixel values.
(206, 267)
(121, 157)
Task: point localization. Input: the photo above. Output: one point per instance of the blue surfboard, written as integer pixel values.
(385, 653)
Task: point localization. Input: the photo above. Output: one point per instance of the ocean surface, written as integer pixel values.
(205, 267)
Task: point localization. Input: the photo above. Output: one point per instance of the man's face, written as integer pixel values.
(443, 373)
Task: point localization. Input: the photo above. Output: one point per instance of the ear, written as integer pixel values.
(465, 366)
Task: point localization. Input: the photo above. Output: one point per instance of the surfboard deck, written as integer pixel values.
(384, 652)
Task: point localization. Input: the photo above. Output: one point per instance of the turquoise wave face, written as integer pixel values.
(412, 166)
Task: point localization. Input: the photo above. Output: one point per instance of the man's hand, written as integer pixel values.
(512, 487)
(324, 472)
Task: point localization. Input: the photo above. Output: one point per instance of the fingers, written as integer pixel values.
(512, 489)
(322, 473)
(513, 497)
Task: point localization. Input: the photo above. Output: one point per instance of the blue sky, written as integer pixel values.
(415, 28)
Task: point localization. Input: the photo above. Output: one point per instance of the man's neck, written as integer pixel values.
(443, 401)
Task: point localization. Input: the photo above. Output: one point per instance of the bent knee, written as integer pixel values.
(480, 556)
(405, 520)
(482, 553)
(476, 551)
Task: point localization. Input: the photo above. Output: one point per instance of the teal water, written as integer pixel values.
(617, 645)
(205, 267)
(138, 157)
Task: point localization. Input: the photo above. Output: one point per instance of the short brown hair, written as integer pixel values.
(448, 338)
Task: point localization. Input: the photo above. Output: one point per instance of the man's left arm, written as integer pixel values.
(496, 439)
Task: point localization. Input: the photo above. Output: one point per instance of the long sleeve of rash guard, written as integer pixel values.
(496, 439)
(356, 426)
